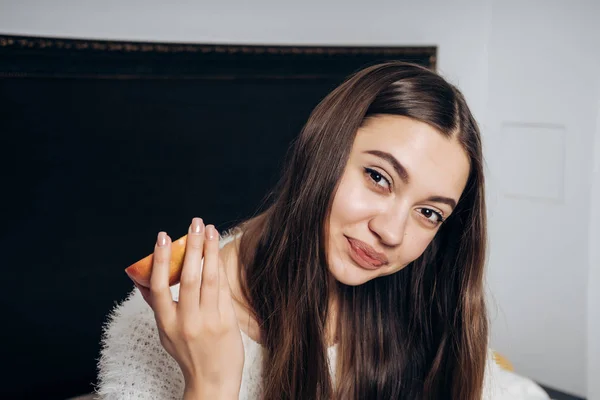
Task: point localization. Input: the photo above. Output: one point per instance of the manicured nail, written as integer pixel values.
(197, 226)
(161, 241)
(212, 232)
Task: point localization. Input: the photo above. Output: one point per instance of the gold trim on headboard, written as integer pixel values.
(144, 47)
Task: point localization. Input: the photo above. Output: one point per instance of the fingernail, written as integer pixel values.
(197, 226)
(161, 241)
(212, 232)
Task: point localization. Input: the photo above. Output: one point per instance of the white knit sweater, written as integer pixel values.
(133, 364)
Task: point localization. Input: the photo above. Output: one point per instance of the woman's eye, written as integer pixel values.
(434, 217)
(377, 179)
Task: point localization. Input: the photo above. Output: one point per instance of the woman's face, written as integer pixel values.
(403, 177)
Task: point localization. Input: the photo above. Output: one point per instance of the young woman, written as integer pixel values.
(363, 279)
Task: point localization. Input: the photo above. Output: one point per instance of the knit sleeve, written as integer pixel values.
(133, 365)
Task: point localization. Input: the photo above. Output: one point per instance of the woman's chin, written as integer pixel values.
(349, 274)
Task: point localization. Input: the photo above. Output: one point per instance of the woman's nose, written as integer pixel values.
(390, 226)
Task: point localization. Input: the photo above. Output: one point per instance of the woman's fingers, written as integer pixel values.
(202, 334)
(191, 274)
(209, 296)
(162, 302)
(203, 282)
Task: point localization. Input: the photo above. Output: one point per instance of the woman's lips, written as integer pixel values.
(364, 255)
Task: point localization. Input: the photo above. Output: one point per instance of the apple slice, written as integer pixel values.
(141, 270)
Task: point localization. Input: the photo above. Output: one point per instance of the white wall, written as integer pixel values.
(543, 98)
(594, 278)
(525, 68)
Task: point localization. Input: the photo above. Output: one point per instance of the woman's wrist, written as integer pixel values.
(204, 392)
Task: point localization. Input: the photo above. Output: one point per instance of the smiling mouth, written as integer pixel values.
(364, 256)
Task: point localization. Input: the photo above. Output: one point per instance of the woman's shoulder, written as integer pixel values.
(133, 363)
(229, 235)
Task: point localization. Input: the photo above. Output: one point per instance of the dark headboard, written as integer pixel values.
(106, 143)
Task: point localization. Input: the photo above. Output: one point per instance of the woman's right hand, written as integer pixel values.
(201, 330)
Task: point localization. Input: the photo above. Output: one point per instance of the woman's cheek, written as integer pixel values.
(353, 201)
(413, 247)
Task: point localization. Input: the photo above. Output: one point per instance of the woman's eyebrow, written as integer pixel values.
(403, 174)
(398, 167)
(442, 199)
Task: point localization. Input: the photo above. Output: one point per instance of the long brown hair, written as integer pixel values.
(419, 333)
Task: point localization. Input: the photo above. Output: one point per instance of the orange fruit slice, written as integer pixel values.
(141, 270)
